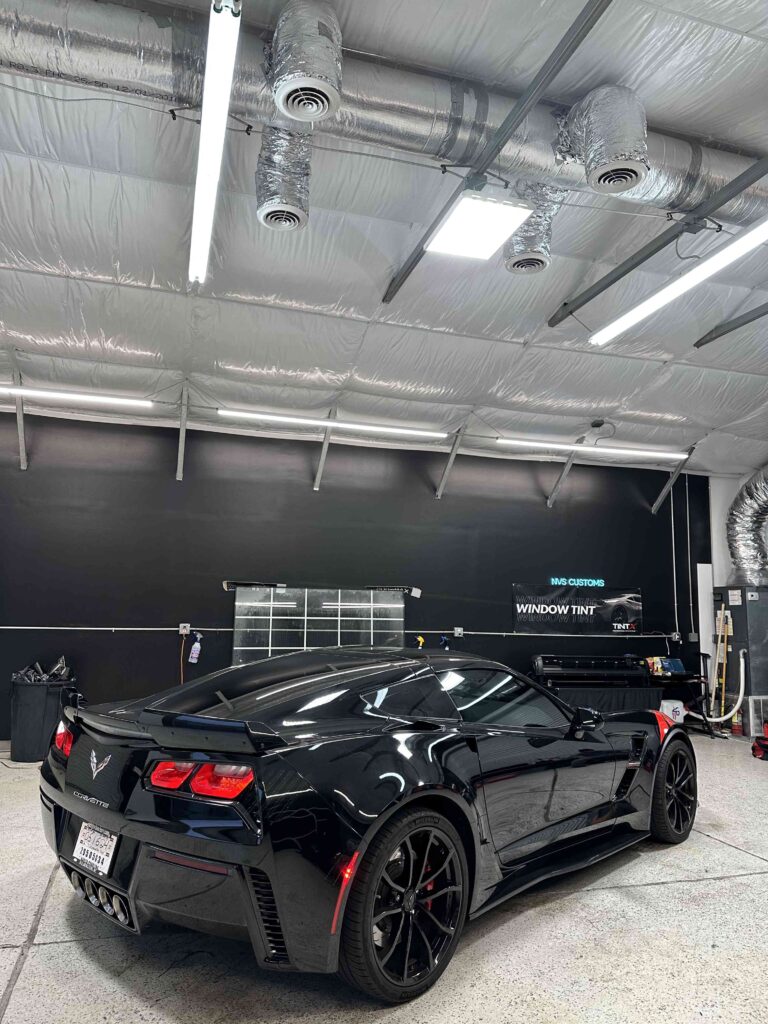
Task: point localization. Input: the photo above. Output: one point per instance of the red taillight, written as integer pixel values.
(63, 739)
(171, 774)
(226, 781)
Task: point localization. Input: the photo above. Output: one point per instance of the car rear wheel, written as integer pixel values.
(674, 794)
(406, 908)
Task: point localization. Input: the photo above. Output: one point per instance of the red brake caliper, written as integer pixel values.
(429, 888)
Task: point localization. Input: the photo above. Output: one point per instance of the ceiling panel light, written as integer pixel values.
(704, 269)
(308, 421)
(477, 226)
(77, 398)
(610, 451)
(223, 30)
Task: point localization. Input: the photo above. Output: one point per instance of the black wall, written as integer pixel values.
(97, 532)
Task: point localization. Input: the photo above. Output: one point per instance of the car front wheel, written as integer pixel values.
(406, 908)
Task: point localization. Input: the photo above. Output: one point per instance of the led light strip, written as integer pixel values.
(561, 446)
(704, 269)
(84, 398)
(307, 421)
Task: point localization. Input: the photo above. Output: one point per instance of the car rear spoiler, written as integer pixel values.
(186, 732)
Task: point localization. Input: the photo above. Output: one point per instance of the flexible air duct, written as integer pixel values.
(306, 61)
(282, 179)
(607, 132)
(115, 47)
(746, 531)
(528, 250)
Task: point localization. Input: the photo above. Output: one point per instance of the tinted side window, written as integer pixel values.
(498, 698)
(417, 697)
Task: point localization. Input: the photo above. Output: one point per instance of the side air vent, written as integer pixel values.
(633, 766)
(261, 887)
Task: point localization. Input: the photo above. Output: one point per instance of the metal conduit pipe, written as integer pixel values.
(114, 47)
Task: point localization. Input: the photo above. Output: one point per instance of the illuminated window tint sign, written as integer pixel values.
(572, 606)
(576, 581)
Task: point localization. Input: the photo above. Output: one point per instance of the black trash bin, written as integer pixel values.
(35, 710)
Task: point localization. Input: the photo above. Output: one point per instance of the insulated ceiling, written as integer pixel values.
(96, 195)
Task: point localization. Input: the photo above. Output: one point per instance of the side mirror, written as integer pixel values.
(586, 720)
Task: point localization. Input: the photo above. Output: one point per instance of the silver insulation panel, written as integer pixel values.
(282, 178)
(117, 48)
(608, 133)
(306, 60)
(527, 251)
(746, 531)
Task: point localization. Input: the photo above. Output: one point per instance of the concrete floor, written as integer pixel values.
(673, 934)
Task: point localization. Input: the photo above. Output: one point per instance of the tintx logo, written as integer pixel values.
(625, 627)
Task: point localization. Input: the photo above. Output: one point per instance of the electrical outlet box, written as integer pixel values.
(458, 631)
(185, 628)
(677, 637)
(693, 638)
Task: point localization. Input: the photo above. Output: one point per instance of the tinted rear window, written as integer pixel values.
(418, 696)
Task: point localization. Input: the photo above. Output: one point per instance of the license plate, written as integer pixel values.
(94, 848)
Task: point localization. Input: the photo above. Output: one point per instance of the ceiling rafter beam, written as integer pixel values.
(691, 222)
(183, 414)
(671, 482)
(451, 459)
(550, 69)
(324, 451)
(732, 325)
(23, 460)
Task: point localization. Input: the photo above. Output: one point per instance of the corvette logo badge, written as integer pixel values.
(96, 766)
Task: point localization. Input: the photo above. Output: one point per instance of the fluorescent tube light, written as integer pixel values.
(477, 226)
(704, 269)
(77, 398)
(308, 421)
(335, 604)
(223, 30)
(561, 446)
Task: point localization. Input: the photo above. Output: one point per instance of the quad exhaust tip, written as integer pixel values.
(307, 98)
(611, 179)
(100, 897)
(91, 893)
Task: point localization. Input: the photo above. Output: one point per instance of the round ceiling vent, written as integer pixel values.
(281, 216)
(618, 177)
(307, 99)
(527, 262)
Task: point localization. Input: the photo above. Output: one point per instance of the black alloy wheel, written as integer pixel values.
(675, 794)
(407, 907)
(680, 792)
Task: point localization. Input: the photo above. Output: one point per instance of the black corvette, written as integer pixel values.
(348, 810)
